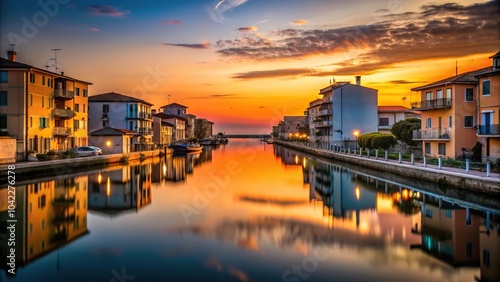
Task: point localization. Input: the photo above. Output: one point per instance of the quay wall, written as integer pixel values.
(488, 185)
(69, 166)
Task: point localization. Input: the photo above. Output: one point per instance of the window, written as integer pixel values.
(428, 123)
(468, 121)
(442, 148)
(105, 108)
(3, 98)
(450, 121)
(82, 123)
(3, 77)
(468, 249)
(428, 213)
(448, 213)
(77, 91)
(131, 125)
(31, 100)
(43, 122)
(43, 101)
(77, 108)
(448, 93)
(383, 121)
(469, 94)
(3, 121)
(32, 78)
(49, 82)
(428, 148)
(43, 80)
(439, 94)
(85, 93)
(84, 108)
(486, 88)
(428, 96)
(486, 258)
(31, 121)
(43, 224)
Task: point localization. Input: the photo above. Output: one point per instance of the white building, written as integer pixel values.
(389, 115)
(122, 112)
(291, 126)
(181, 110)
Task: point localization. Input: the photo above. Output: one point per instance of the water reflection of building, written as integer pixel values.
(175, 167)
(125, 189)
(489, 250)
(449, 233)
(49, 215)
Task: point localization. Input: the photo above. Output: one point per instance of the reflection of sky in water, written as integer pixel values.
(268, 210)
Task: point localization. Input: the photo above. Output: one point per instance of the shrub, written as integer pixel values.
(68, 154)
(142, 157)
(403, 130)
(51, 153)
(124, 160)
(382, 141)
(42, 157)
(476, 152)
(364, 140)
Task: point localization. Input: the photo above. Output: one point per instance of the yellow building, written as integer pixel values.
(43, 110)
(449, 115)
(488, 128)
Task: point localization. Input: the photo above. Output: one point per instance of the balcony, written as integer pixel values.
(62, 131)
(492, 130)
(64, 201)
(436, 104)
(145, 115)
(63, 113)
(324, 123)
(440, 134)
(64, 94)
(145, 131)
(327, 112)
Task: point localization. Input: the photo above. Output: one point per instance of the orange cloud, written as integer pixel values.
(300, 22)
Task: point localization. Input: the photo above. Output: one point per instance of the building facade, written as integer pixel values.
(292, 126)
(488, 114)
(449, 115)
(43, 110)
(389, 115)
(178, 122)
(122, 112)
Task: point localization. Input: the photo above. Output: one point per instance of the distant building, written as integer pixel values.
(123, 112)
(292, 125)
(488, 121)
(162, 132)
(449, 114)
(181, 110)
(389, 115)
(43, 110)
(179, 123)
(203, 128)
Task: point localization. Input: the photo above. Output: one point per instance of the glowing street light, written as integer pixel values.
(356, 134)
(108, 143)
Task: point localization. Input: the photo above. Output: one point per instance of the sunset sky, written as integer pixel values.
(245, 63)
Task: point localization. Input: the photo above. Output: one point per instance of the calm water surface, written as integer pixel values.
(247, 211)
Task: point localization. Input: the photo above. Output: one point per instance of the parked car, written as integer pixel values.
(99, 151)
(86, 151)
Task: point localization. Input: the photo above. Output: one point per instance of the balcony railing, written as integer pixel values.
(64, 94)
(492, 129)
(62, 131)
(145, 115)
(145, 131)
(325, 112)
(63, 113)
(442, 134)
(444, 103)
(324, 123)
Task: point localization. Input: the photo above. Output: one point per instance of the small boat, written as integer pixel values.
(206, 142)
(186, 147)
(269, 141)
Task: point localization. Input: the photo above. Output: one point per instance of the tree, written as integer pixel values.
(403, 130)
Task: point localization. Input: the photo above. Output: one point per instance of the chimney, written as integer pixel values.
(358, 80)
(62, 73)
(12, 55)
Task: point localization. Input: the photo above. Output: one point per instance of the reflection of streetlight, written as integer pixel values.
(356, 133)
(108, 143)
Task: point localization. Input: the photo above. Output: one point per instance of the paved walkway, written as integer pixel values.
(494, 176)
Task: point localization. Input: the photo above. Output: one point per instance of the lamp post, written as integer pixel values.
(108, 143)
(356, 133)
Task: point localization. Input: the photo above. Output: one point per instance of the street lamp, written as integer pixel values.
(108, 143)
(356, 133)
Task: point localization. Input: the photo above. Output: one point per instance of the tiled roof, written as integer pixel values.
(167, 116)
(164, 123)
(109, 131)
(463, 78)
(393, 109)
(115, 97)
(174, 105)
(496, 55)
(4, 63)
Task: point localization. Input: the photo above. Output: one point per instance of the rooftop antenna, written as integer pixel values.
(47, 66)
(55, 58)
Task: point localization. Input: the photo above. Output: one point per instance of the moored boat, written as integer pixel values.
(186, 147)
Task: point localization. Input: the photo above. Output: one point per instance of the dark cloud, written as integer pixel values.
(186, 45)
(405, 82)
(435, 31)
(219, 96)
(171, 22)
(106, 11)
(247, 28)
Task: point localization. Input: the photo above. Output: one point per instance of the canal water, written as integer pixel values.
(247, 211)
